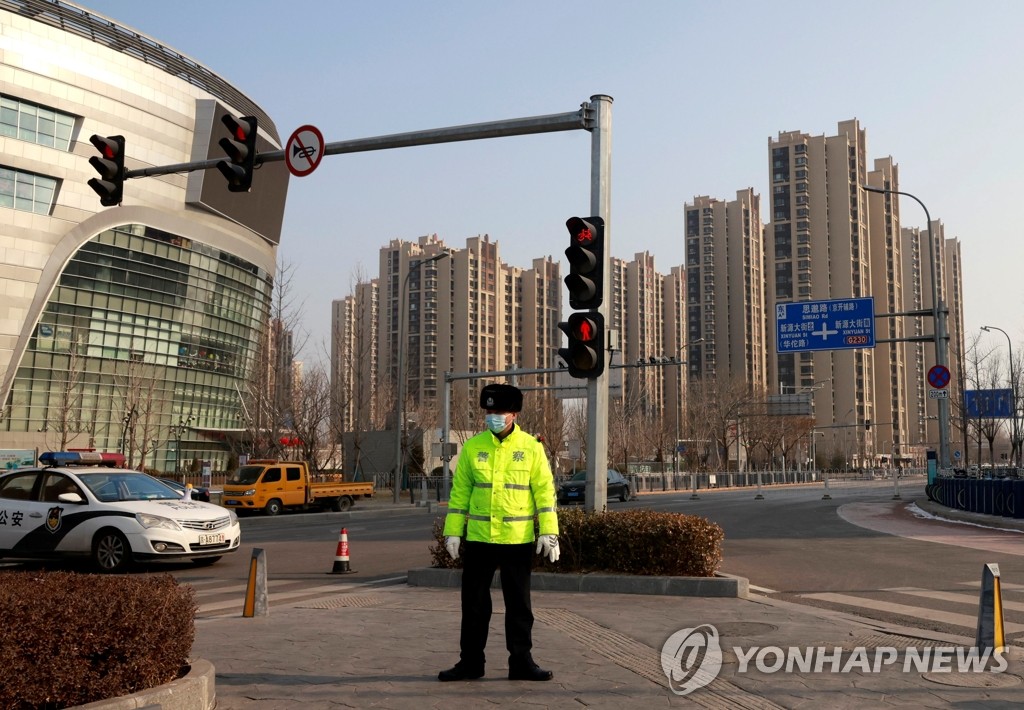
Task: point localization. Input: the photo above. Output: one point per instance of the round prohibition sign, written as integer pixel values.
(304, 150)
(938, 376)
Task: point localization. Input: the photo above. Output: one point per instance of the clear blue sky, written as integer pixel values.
(699, 89)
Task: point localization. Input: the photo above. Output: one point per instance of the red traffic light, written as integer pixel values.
(584, 354)
(584, 236)
(586, 255)
(584, 329)
(240, 150)
(110, 165)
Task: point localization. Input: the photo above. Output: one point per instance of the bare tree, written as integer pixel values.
(136, 385)
(66, 421)
(311, 419)
(714, 410)
(544, 417)
(576, 428)
(267, 400)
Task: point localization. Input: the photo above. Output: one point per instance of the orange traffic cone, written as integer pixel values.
(341, 565)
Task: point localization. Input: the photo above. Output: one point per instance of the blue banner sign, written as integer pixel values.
(839, 324)
(989, 404)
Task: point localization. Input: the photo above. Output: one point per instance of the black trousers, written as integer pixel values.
(480, 561)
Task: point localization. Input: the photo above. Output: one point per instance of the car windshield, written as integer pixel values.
(246, 476)
(580, 476)
(110, 486)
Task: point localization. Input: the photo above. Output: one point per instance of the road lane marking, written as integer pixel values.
(946, 617)
(957, 598)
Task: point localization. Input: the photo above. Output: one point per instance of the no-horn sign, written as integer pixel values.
(304, 150)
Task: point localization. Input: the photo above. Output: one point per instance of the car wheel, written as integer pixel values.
(205, 561)
(273, 507)
(340, 505)
(111, 551)
(624, 494)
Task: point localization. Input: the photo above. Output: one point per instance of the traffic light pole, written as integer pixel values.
(597, 388)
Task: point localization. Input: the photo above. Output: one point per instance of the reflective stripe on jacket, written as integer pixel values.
(498, 488)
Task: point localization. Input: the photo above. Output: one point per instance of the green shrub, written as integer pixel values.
(76, 638)
(643, 542)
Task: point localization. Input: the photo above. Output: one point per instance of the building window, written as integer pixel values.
(35, 124)
(26, 191)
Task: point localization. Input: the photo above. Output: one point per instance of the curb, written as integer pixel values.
(994, 521)
(197, 690)
(727, 587)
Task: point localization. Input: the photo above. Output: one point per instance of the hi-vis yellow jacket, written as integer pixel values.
(498, 487)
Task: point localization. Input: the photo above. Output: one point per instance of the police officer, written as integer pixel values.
(502, 481)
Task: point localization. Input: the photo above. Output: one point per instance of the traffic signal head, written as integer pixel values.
(241, 152)
(110, 165)
(867, 425)
(586, 262)
(585, 352)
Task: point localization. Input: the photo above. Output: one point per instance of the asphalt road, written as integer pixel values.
(861, 552)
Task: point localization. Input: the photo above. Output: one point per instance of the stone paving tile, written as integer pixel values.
(388, 655)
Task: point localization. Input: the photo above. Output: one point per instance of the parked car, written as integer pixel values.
(198, 492)
(575, 489)
(78, 504)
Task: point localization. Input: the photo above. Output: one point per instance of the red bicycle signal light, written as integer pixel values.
(584, 354)
(586, 262)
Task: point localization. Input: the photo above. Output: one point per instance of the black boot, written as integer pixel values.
(460, 672)
(528, 671)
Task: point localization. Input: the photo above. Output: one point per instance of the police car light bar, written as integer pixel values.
(81, 458)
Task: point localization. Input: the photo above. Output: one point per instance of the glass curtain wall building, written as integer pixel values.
(146, 325)
(141, 327)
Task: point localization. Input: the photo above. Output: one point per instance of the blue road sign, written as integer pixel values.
(839, 324)
(989, 404)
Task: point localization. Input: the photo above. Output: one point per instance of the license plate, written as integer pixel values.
(231, 502)
(574, 494)
(211, 538)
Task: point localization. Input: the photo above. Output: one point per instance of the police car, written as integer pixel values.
(80, 504)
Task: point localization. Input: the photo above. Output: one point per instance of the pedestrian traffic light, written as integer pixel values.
(110, 165)
(586, 262)
(867, 425)
(241, 151)
(585, 352)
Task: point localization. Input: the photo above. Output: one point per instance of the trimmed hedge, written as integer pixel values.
(643, 542)
(72, 638)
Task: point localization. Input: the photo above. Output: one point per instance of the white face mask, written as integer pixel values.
(496, 422)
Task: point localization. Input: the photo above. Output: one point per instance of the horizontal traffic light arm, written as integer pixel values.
(552, 123)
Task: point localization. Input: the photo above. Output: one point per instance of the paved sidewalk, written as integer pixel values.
(383, 647)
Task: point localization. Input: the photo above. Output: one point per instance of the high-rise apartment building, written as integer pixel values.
(637, 305)
(725, 289)
(833, 240)
(917, 268)
(890, 430)
(466, 313)
(820, 250)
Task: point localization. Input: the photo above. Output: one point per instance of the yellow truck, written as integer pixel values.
(271, 486)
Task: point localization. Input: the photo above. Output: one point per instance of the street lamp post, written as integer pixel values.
(938, 319)
(679, 402)
(400, 385)
(177, 432)
(1014, 431)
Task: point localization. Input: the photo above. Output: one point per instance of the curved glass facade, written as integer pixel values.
(144, 330)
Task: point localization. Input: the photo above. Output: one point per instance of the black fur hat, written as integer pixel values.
(501, 398)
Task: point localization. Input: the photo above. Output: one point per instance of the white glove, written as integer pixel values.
(548, 545)
(451, 543)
